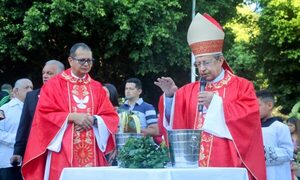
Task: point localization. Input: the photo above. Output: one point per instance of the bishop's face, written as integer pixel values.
(82, 62)
(208, 66)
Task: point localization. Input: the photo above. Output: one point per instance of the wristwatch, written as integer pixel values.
(95, 121)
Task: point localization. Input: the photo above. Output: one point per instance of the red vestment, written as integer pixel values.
(242, 118)
(60, 96)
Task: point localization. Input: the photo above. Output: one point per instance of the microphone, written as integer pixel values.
(201, 89)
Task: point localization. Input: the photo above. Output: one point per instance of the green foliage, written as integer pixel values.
(143, 153)
(278, 49)
(266, 48)
(146, 31)
(145, 38)
(242, 58)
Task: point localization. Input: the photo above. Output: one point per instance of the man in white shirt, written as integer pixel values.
(8, 128)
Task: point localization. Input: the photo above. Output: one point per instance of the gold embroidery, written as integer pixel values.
(82, 153)
(76, 137)
(80, 96)
(207, 46)
(76, 80)
(221, 83)
(88, 139)
(75, 90)
(84, 90)
(83, 141)
(206, 143)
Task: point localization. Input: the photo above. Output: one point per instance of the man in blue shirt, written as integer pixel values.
(145, 111)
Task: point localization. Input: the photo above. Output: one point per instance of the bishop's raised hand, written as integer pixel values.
(167, 85)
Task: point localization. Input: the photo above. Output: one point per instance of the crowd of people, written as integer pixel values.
(72, 119)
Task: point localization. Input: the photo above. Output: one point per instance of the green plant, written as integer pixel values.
(143, 153)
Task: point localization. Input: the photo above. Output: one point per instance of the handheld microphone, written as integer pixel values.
(15, 163)
(201, 89)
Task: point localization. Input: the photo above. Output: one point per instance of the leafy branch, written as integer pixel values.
(143, 153)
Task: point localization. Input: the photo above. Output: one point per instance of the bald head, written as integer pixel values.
(22, 86)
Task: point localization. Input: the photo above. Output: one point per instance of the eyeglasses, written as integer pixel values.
(82, 61)
(205, 64)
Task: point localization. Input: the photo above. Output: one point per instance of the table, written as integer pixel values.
(116, 173)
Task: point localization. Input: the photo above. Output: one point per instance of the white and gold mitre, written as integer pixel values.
(205, 36)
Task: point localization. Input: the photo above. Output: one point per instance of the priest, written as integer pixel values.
(224, 107)
(74, 122)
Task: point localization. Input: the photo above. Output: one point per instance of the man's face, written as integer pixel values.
(265, 108)
(49, 71)
(208, 66)
(82, 63)
(131, 91)
(21, 92)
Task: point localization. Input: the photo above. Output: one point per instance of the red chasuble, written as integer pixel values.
(60, 96)
(242, 118)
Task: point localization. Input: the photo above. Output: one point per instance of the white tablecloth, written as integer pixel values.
(115, 173)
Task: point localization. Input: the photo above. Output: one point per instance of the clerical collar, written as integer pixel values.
(269, 121)
(220, 77)
(72, 74)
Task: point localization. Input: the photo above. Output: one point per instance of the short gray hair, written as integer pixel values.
(60, 66)
(217, 56)
(20, 82)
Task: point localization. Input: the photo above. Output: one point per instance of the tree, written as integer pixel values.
(278, 49)
(144, 38)
(266, 47)
(242, 56)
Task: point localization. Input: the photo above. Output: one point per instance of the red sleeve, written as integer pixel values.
(51, 111)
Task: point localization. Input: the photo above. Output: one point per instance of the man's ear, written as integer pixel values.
(15, 90)
(221, 59)
(70, 60)
(270, 105)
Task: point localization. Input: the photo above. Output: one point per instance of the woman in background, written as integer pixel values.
(294, 126)
(112, 93)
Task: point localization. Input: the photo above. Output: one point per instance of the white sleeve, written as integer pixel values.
(101, 133)
(214, 119)
(7, 135)
(169, 111)
(55, 144)
(283, 152)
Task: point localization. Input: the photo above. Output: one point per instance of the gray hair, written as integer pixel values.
(217, 56)
(20, 82)
(60, 66)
